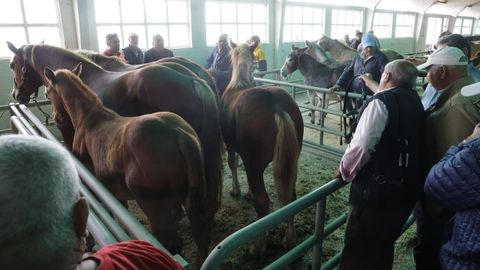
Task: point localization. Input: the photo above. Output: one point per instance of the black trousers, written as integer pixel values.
(370, 237)
(432, 220)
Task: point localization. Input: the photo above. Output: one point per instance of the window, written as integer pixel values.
(238, 19)
(22, 22)
(404, 25)
(346, 22)
(303, 23)
(169, 18)
(382, 24)
(463, 26)
(435, 26)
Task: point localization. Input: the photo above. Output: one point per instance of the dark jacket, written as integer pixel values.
(392, 176)
(132, 57)
(350, 76)
(153, 55)
(220, 66)
(454, 182)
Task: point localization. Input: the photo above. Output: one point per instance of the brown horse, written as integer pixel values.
(261, 124)
(154, 158)
(113, 63)
(152, 88)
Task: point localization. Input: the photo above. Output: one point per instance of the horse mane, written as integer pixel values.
(241, 68)
(98, 57)
(62, 55)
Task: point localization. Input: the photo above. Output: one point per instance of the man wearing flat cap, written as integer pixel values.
(448, 122)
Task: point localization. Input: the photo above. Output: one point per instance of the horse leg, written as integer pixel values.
(232, 163)
(201, 229)
(160, 213)
(261, 201)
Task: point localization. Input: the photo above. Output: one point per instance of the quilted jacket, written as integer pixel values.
(455, 183)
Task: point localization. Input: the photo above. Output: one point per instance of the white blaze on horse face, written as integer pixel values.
(284, 70)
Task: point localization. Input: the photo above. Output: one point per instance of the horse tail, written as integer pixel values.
(285, 157)
(210, 137)
(195, 200)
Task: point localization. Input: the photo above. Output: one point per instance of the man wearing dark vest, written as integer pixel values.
(383, 162)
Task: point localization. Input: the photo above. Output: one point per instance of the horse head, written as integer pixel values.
(292, 61)
(26, 80)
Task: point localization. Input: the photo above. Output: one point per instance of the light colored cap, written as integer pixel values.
(369, 40)
(471, 90)
(448, 56)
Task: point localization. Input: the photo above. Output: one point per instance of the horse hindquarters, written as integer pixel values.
(164, 168)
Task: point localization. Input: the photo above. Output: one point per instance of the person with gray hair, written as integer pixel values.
(44, 218)
(383, 163)
(158, 51)
(449, 120)
(132, 53)
(113, 46)
(431, 94)
(219, 64)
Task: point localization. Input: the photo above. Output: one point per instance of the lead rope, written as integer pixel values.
(46, 115)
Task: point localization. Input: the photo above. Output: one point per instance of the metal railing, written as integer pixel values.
(315, 241)
(101, 224)
(323, 109)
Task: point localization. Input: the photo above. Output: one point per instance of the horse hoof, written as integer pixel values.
(235, 193)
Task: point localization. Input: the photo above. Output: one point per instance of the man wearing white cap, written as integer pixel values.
(449, 121)
(370, 60)
(430, 95)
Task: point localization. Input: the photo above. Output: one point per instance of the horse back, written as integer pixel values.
(250, 115)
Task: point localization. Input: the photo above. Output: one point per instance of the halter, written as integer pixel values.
(23, 78)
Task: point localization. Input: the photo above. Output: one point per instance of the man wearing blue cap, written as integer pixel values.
(369, 60)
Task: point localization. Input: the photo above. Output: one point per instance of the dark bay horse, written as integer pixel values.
(154, 158)
(152, 88)
(315, 73)
(113, 63)
(261, 124)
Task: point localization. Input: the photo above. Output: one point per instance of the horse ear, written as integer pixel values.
(77, 70)
(254, 45)
(232, 44)
(42, 42)
(50, 75)
(13, 48)
(308, 44)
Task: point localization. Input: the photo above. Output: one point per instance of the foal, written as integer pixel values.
(262, 124)
(155, 159)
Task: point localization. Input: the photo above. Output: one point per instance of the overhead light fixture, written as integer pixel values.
(441, 1)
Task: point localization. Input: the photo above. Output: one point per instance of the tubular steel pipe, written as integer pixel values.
(117, 232)
(248, 233)
(319, 231)
(306, 245)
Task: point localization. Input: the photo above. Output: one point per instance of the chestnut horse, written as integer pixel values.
(154, 158)
(152, 88)
(261, 124)
(314, 72)
(113, 63)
